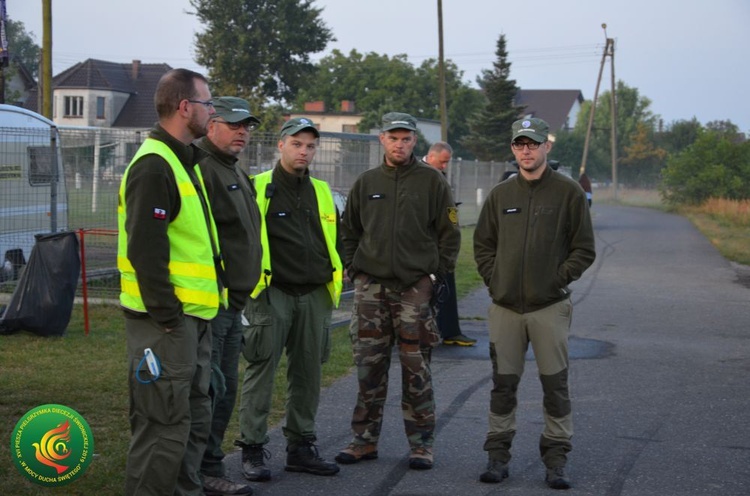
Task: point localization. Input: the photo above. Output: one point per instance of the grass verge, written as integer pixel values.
(88, 374)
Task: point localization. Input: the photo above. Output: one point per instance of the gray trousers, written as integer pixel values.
(510, 334)
(170, 418)
(302, 326)
(226, 334)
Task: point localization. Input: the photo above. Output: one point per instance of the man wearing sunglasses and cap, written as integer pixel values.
(532, 239)
(237, 218)
(290, 307)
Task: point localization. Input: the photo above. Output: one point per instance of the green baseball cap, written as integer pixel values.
(233, 109)
(399, 120)
(533, 128)
(293, 126)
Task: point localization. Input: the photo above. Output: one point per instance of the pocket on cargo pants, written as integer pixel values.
(258, 337)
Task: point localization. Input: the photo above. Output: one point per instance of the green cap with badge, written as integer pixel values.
(399, 120)
(533, 128)
(234, 110)
(293, 126)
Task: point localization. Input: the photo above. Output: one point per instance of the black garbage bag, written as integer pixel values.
(43, 300)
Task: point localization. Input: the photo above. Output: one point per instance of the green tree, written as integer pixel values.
(259, 49)
(679, 135)
(568, 150)
(726, 128)
(379, 84)
(632, 109)
(22, 46)
(490, 128)
(714, 166)
(642, 161)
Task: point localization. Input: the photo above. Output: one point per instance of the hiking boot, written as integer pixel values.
(217, 486)
(253, 467)
(420, 458)
(496, 472)
(304, 457)
(459, 340)
(356, 452)
(556, 478)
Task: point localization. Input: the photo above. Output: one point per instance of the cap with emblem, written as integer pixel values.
(534, 128)
(399, 120)
(293, 126)
(233, 109)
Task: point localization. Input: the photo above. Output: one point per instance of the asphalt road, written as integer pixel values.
(660, 379)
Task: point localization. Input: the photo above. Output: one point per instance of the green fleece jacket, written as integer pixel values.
(400, 224)
(532, 239)
(237, 220)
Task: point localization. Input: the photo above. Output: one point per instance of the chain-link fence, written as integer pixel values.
(81, 193)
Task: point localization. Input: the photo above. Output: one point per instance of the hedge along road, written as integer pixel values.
(660, 349)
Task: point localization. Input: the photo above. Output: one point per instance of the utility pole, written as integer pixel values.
(609, 51)
(613, 103)
(441, 76)
(47, 59)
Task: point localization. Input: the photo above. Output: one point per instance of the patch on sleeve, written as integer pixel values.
(160, 213)
(453, 215)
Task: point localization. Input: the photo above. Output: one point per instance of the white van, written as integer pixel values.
(33, 196)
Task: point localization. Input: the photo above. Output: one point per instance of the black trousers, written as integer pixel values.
(447, 319)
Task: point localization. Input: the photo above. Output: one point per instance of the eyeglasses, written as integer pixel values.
(518, 145)
(206, 103)
(235, 126)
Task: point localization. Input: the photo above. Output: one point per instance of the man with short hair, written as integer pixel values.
(290, 307)
(532, 239)
(439, 156)
(237, 217)
(168, 255)
(400, 229)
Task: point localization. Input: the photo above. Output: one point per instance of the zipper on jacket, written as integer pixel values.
(530, 221)
(393, 223)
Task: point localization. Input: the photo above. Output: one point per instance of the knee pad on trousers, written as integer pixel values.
(503, 398)
(556, 398)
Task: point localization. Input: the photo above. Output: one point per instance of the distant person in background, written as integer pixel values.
(585, 183)
(438, 157)
(237, 217)
(533, 238)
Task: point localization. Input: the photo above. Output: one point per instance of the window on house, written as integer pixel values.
(349, 128)
(73, 106)
(100, 107)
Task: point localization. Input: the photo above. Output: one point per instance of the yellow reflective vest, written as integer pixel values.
(327, 212)
(191, 266)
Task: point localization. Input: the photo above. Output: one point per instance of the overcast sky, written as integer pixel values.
(689, 57)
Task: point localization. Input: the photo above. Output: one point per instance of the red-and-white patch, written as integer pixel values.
(160, 214)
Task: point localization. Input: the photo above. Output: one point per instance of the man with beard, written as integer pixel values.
(168, 261)
(400, 232)
(532, 239)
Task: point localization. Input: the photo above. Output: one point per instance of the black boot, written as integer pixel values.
(253, 466)
(303, 456)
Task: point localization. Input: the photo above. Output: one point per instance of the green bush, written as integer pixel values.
(714, 166)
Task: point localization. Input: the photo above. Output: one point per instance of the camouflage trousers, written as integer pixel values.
(380, 319)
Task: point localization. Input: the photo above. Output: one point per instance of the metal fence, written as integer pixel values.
(82, 196)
